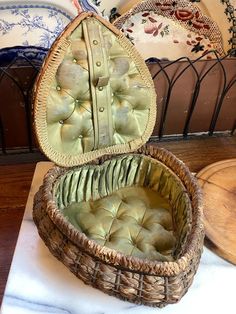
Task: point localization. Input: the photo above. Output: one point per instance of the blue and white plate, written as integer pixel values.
(109, 9)
(22, 56)
(33, 23)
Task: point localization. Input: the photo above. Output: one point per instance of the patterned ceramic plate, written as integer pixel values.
(107, 8)
(23, 55)
(223, 12)
(35, 23)
(164, 29)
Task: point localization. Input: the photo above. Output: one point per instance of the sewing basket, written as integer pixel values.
(123, 216)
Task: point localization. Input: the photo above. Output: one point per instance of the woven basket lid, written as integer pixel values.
(94, 95)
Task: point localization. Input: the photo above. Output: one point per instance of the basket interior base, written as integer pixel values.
(132, 203)
(134, 220)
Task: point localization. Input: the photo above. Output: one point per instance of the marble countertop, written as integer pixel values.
(39, 283)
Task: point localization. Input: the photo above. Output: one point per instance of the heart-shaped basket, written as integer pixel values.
(129, 224)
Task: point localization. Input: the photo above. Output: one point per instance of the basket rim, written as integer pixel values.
(115, 258)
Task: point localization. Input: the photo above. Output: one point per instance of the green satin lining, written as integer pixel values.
(98, 97)
(133, 204)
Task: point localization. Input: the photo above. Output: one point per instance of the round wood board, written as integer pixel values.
(218, 182)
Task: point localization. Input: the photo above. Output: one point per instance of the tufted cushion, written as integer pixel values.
(135, 221)
(133, 204)
(94, 92)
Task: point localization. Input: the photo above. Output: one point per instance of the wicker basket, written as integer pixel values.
(129, 278)
(137, 278)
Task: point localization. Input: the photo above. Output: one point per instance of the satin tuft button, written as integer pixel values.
(100, 88)
(74, 60)
(61, 122)
(80, 136)
(95, 42)
(101, 109)
(58, 88)
(98, 63)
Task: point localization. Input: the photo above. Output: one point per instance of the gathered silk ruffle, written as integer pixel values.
(133, 204)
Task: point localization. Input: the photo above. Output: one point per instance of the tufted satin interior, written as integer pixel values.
(133, 204)
(98, 97)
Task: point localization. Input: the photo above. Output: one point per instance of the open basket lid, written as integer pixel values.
(94, 95)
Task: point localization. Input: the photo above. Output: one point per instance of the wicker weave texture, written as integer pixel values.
(139, 281)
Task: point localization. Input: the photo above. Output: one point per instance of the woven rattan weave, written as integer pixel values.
(153, 283)
(95, 102)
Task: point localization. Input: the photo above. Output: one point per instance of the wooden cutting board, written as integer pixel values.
(218, 182)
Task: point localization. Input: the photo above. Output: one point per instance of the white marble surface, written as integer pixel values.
(38, 283)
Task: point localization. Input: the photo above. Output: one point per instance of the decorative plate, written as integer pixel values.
(163, 29)
(109, 9)
(33, 23)
(223, 13)
(23, 55)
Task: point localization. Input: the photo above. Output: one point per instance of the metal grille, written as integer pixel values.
(19, 67)
(192, 88)
(194, 97)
